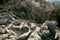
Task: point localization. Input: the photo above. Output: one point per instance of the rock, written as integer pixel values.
(25, 31)
(34, 36)
(16, 22)
(4, 35)
(21, 29)
(25, 28)
(48, 30)
(57, 36)
(12, 35)
(0, 37)
(8, 39)
(11, 39)
(5, 20)
(24, 36)
(3, 29)
(16, 29)
(44, 33)
(33, 26)
(13, 29)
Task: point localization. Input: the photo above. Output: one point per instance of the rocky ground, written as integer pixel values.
(14, 28)
(11, 28)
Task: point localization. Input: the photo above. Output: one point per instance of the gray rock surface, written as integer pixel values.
(48, 30)
(16, 30)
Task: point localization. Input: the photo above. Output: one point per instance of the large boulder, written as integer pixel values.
(17, 30)
(48, 30)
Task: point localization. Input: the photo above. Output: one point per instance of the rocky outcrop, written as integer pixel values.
(25, 30)
(11, 28)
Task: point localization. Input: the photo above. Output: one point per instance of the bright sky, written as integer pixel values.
(52, 0)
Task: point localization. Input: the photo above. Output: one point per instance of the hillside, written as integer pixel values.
(29, 20)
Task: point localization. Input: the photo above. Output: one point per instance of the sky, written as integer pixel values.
(52, 0)
(56, 2)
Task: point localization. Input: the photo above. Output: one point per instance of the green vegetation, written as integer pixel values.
(25, 10)
(29, 11)
(56, 14)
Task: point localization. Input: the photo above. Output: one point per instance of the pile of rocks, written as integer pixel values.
(12, 29)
